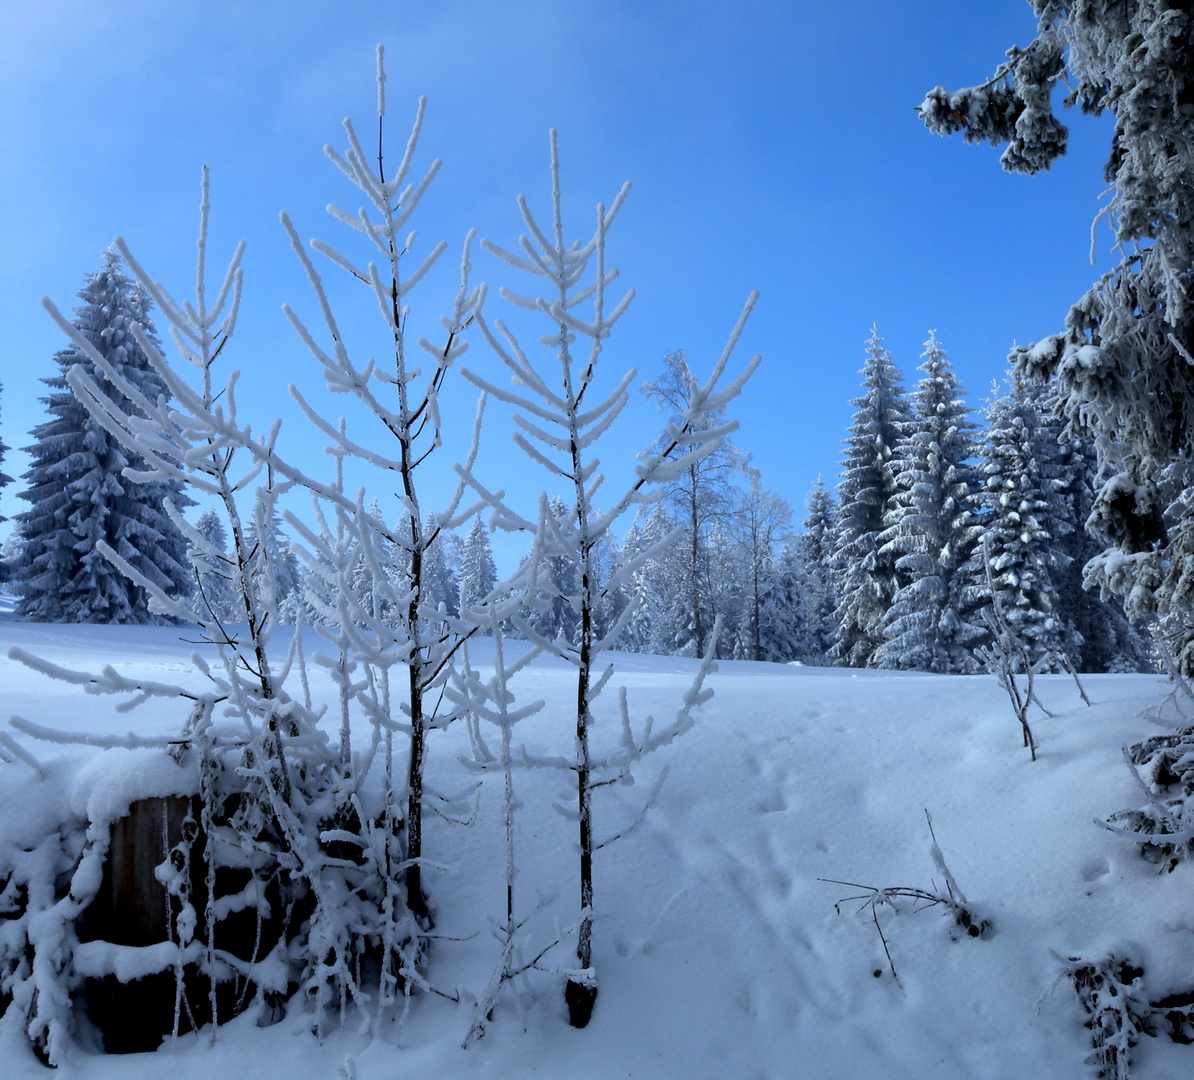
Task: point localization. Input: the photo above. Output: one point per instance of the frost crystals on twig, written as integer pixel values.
(951, 899)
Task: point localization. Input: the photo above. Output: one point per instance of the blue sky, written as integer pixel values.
(771, 145)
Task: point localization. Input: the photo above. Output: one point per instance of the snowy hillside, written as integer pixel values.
(719, 949)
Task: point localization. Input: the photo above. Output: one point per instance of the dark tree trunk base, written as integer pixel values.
(579, 998)
(416, 900)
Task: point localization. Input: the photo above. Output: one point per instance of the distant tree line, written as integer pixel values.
(891, 574)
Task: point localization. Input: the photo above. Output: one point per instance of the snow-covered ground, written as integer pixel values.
(718, 948)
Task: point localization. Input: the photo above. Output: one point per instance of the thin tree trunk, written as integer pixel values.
(758, 635)
(580, 994)
(698, 630)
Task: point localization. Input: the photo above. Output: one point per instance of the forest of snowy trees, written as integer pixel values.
(890, 574)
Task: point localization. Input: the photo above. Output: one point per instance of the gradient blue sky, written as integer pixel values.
(771, 145)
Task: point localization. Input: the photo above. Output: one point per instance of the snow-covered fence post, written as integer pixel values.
(133, 908)
(558, 427)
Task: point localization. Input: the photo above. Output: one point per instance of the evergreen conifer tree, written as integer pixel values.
(636, 634)
(1123, 365)
(1020, 529)
(655, 620)
(5, 568)
(612, 600)
(551, 610)
(930, 529)
(1102, 639)
(286, 572)
(478, 574)
(9, 551)
(213, 574)
(441, 562)
(772, 623)
(866, 575)
(79, 488)
(372, 587)
(785, 613)
(810, 557)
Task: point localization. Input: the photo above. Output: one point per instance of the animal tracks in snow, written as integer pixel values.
(773, 778)
(1094, 869)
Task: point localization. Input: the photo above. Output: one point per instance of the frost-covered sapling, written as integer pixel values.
(559, 423)
(267, 780)
(422, 639)
(253, 760)
(491, 700)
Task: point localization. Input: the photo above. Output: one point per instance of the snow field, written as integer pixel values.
(718, 949)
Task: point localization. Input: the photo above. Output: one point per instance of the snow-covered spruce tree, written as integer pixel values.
(1123, 363)
(548, 609)
(866, 577)
(84, 488)
(698, 498)
(478, 575)
(786, 619)
(647, 590)
(214, 570)
(561, 414)
(9, 551)
(612, 603)
(810, 557)
(1102, 638)
(930, 527)
(441, 569)
(284, 566)
(727, 599)
(362, 578)
(636, 633)
(1019, 531)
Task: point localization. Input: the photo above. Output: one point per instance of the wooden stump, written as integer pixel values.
(131, 909)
